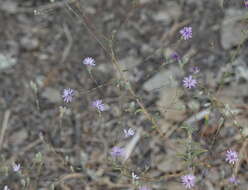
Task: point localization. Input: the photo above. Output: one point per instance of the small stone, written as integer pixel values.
(161, 79)
(171, 162)
(9, 6)
(231, 30)
(18, 137)
(194, 105)
(174, 186)
(6, 61)
(129, 63)
(174, 9)
(144, 1)
(162, 16)
(52, 95)
(29, 43)
(170, 104)
(245, 131)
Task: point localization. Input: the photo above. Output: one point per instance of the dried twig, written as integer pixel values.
(131, 145)
(242, 152)
(131, 91)
(23, 151)
(70, 41)
(4, 126)
(63, 178)
(197, 117)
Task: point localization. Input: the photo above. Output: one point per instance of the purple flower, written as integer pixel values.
(246, 3)
(129, 132)
(189, 82)
(233, 180)
(117, 151)
(144, 188)
(89, 61)
(134, 176)
(175, 56)
(6, 188)
(231, 156)
(16, 167)
(186, 33)
(188, 181)
(99, 105)
(68, 94)
(194, 70)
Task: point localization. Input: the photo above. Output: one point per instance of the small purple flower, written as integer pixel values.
(68, 94)
(188, 181)
(128, 133)
(194, 70)
(189, 82)
(231, 156)
(175, 56)
(144, 188)
(89, 61)
(16, 167)
(186, 33)
(246, 3)
(117, 151)
(6, 188)
(99, 105)
(134, 176)
(233, 180)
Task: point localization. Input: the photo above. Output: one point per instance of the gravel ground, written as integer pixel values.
(66, 145)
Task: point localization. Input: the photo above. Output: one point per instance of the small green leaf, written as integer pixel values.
(198, 152)
(154, 127)
(38, 157)
(138, 110)
(189, 128)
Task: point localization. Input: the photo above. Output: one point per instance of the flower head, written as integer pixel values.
(117, 151)
(233, 180)
(16, 167)
(231, 156)
(99, 105)
(189, 82)
(89, 61)
(186, 33)
(175, 56)
(68, 95)
(188, 181)
(134, 176)
(246, 3)
(144, 188)
(6, 188)
(129, 132)
(194, 70)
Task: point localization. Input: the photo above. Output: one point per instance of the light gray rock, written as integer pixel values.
(174, 186)
(129, 62)
(29, 43)
(163, 79)
(173, 9)
(231, 29)
(144, 1)
(162, 16)
(6, 61)
(241, 70)
(18, 137)
(9, 6)
(52, 95)
(171, 161)
(194, 105)
(129, 67)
